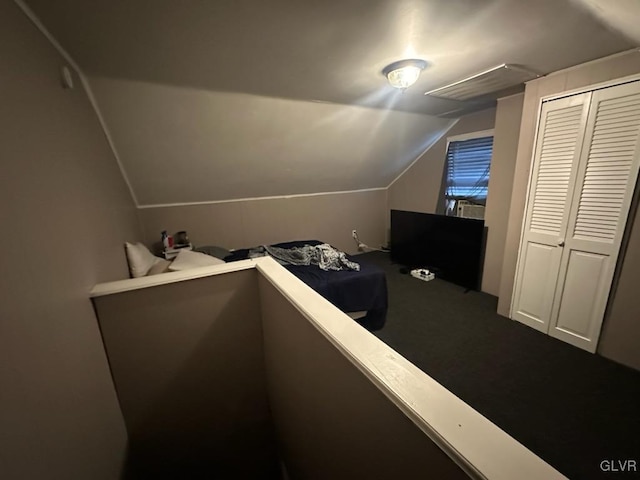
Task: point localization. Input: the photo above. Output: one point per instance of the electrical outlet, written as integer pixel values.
(354, 234)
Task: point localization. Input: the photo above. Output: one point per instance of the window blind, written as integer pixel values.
(468, 163)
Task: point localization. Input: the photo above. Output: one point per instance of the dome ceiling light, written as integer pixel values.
(404, 73)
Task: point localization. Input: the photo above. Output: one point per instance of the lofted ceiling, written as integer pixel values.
(221, 99)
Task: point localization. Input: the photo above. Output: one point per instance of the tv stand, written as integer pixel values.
(451, 247)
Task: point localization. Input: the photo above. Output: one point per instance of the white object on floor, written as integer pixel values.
(422, 274)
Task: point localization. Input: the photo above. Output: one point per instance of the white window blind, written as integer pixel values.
(468, 164)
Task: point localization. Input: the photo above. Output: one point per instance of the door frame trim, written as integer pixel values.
(591, 88)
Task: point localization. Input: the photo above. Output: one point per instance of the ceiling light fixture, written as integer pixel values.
(404, 73)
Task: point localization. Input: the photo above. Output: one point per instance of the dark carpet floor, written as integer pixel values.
(570, 407)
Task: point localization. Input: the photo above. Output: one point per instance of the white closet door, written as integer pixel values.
(605, 182)
(560, 133)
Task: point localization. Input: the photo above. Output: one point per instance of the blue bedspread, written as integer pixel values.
(348, 290)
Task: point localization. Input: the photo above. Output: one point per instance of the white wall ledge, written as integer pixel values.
(131, 284)
(479, 447)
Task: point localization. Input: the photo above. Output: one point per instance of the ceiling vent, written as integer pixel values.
(490, 81)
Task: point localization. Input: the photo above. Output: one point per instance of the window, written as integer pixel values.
(467, 169)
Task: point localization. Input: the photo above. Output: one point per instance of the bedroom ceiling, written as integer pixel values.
(210, 100)
(328, 51)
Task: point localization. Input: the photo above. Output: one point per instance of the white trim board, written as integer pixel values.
(591, 88)
(87, 88)
(476, 445)
(131, 284)
(479, 447)
(251, 199)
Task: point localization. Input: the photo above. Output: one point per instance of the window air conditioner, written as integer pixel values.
(469, 210)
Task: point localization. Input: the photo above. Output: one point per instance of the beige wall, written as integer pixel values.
(188, 365)
(503, 162)
(418, 188)
(329, 218)
(65, 211)
(331, 421)
(619, 331)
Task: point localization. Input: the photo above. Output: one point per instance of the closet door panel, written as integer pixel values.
(537, 284)
(605, 183)
(580, 302)
(561, 129)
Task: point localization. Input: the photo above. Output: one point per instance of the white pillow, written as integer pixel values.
(140, 259)
(161, 267)
(187, 259)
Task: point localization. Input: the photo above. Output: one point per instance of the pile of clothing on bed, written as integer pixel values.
(324, 256)
(351, 285)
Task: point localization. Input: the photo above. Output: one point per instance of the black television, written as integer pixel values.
(451, 247)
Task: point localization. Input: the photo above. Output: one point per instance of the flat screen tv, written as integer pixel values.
(451, 247)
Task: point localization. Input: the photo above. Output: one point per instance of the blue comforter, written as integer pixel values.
(349, 290)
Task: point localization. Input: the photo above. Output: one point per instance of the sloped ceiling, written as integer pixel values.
(220, 99)
(186, 145)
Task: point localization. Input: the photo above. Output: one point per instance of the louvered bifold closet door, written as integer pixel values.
(605, 182)
(560, 134)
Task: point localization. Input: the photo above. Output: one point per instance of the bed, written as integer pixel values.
(351, 291)
(361, 294)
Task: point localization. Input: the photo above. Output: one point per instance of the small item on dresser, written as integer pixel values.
(171, 253)
(181, 240)
(167, 240)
